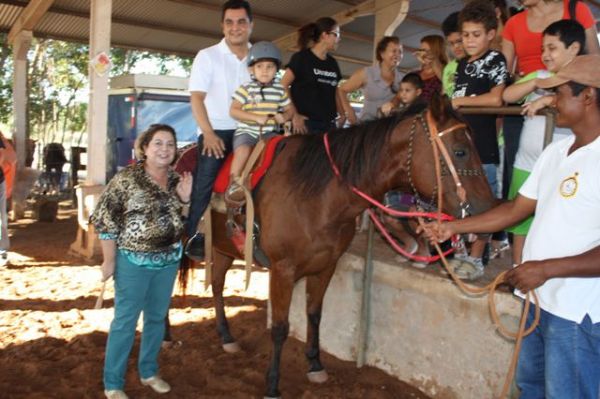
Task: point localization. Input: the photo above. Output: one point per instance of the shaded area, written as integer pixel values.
(88, 302)
(50, 367)
(52, 342)
(46, 242)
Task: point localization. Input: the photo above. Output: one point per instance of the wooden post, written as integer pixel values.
(389, 15)
(100, 21)
(86, 244)
(365, 308)
(21, 44)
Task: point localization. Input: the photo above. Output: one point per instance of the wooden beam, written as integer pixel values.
(125, 21)
(259, 16)
(389, 15)
(289, 41)
(352, 60)
(423, 21)
(73, 39)
(348, 2)
(356, 36)
(29, 17)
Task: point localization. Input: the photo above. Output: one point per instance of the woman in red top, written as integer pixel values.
(522, 35)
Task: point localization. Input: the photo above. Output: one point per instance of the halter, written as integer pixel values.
(438, 147)
(435, 138)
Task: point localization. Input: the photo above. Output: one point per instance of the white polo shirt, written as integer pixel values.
(566, 223)
(218, 72)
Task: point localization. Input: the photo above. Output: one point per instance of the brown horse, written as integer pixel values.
(307, 214)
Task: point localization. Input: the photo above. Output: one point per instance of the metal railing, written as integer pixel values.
(549, 113)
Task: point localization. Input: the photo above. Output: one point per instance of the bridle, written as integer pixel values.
(438, 146)
(435, 138)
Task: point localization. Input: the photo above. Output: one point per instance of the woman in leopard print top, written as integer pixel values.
(139, 220)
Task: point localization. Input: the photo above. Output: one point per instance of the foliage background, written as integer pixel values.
(58, 86)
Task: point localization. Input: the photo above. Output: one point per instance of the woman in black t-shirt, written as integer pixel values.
(312, 77)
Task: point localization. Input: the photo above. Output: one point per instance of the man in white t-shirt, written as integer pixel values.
(561, 257)
(217, 72)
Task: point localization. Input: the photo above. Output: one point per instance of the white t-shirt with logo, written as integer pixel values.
(566, 223)
(218, 72)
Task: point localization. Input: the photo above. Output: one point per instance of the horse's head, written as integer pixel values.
(440, 134)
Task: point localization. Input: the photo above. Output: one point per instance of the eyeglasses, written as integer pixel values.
(336, 33)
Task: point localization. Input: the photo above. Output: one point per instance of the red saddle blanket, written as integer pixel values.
(187, 160)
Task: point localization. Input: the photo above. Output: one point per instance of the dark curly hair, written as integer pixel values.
(479, 11)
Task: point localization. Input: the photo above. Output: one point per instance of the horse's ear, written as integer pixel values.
(440, 107)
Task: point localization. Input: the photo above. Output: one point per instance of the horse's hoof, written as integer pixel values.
(232, 347)
(317, 377)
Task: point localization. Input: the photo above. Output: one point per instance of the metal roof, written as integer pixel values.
(182, 27)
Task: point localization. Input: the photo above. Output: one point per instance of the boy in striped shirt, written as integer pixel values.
(259, 106)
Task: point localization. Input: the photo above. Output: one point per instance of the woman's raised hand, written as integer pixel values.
(184, 187)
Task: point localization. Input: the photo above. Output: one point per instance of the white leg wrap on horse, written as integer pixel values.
(232, 347)
(317, 377)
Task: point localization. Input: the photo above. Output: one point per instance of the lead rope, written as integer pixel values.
(489, 289)
(465, 288)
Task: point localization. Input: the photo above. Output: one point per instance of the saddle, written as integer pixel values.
(258, 164)
(188, 158)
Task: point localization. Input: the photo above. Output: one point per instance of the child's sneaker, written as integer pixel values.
(498, 247)
(469, 268)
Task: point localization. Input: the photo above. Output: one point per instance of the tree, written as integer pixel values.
(5, 79)
(58, 81)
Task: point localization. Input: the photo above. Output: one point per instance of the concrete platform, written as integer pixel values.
(422, 328)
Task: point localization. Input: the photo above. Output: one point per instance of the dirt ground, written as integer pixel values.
(52, 340)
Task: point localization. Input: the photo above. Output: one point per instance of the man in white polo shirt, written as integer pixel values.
(561, 257)
(217, 72)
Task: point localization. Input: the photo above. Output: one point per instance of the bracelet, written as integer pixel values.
(185, 203)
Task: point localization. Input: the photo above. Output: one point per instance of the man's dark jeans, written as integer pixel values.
(205, 175)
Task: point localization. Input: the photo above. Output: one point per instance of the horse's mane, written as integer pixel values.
(356, 151)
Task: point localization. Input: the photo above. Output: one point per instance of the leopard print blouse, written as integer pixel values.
(142, 216)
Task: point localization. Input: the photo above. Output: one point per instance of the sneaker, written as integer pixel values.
(469, 268)
(194, 247)
(234, 195)
(498, 247)
(115, 394)
(157, 384)
(418, 265)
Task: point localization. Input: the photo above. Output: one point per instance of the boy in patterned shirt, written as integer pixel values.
(259, 106)
(479, 82)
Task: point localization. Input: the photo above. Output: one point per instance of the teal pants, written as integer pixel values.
(137, 289)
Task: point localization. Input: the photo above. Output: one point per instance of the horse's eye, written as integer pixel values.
(460, 153)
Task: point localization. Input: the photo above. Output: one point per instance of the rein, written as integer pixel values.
(439, 147)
